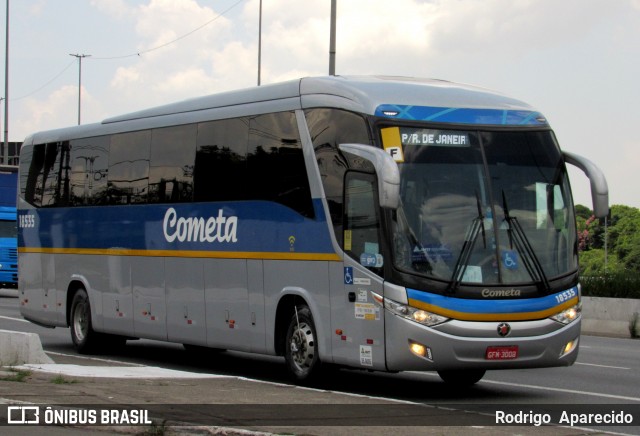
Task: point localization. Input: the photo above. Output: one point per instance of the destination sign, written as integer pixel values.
(441, 138)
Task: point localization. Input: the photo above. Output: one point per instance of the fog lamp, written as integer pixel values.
(420, 350)
(569, 347)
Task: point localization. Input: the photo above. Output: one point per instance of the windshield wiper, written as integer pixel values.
(529, 258)
(467, 248)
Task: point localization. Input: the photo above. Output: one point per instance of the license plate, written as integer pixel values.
(502, 353)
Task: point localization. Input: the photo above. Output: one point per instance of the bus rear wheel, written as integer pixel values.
(82, 333)
(462, 377)
(301, 352)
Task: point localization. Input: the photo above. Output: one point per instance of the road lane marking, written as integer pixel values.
(601, 366)
(116, 371)
(570, 391)
(79, 356)
(541, 388)
(14, 319)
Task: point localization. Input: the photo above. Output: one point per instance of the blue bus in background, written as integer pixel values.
(8, 229)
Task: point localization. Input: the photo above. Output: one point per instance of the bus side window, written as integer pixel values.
(128, 179)
(362, 225)
(89, 164)
(275, 158)
(220, 172)
(328, 129)
(32, 191)
(173, 152)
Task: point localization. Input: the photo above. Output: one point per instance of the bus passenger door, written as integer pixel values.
(357, 320)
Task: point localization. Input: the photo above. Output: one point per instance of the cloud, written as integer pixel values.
(46, 114)
(576, 60)
(115, 8)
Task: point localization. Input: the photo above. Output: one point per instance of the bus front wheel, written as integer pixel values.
(301, 351)
(82, 333)
(462, 377)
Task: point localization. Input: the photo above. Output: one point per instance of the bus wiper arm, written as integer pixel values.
(518, 237)
(467, 248)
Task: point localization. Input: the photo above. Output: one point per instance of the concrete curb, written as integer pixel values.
(610, 316)
(17, 348)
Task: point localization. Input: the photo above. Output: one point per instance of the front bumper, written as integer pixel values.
(463, 344)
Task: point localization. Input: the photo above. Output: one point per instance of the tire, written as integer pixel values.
(301, 351)
(462, 377)
(82, 334)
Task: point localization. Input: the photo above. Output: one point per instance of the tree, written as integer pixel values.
(623, 240)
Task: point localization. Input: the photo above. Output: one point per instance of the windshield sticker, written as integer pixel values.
(473, 274)
(435, 251)
(347, 240)
(510, 259)
(396, 153)
(371, 260)
(391, 143)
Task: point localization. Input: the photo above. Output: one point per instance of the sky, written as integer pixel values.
(576, 61)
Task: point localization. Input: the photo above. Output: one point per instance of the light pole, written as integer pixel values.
(332, 40)
(259, 42)
(6, 90)
(79, 56)
(5, 155)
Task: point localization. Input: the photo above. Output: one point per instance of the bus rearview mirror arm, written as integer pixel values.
(599, 187)
(386, 169)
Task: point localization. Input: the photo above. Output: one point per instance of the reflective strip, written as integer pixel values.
(520, 316)
(185, 253)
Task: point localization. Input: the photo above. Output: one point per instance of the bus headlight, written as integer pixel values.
(417, 315)
(568, 315)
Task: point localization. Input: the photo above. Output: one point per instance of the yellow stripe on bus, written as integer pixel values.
(184, 253)
(517, 316)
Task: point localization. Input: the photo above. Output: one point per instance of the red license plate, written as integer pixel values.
(502, 353)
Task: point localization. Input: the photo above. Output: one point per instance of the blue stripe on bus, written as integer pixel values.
(260, 226)
(475, 308)
(462, 115)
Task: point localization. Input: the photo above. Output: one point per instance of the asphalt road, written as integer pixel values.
(607, 373)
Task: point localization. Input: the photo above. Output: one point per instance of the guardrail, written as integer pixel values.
(611, 316)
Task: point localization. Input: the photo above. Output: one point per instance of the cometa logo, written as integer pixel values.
(489, 293)
(199, 229)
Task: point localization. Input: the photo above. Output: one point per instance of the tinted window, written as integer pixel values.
(47, 181)
(361, 230)
(30, 166)
(221, 160)
(276, 160)
(128, 179)
(89, 166)
(328, 129)
(172, 156)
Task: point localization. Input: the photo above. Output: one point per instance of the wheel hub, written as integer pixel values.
(302, 346)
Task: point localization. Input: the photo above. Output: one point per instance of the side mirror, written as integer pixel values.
(386, 170)
(599, 187)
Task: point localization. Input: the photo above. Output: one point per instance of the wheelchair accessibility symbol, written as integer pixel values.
(348, 275)
(510, 259)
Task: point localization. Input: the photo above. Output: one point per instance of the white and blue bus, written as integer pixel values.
(379, 223)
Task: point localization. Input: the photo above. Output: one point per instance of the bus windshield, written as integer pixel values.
(482, 207)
